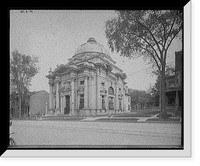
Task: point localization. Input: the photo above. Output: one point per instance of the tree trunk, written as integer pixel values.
(20, 106)
(163, 97)
(160, 97)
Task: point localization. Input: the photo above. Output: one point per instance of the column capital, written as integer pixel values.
(50, 82)
(72, 79)
(57, 79)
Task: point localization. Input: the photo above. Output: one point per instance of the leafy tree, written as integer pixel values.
(22, 69)
(155, 90)
(146, 33)
(139, 97)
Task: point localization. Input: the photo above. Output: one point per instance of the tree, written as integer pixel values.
(22, 69)
(155, 90)
(140, 97)
(146, 33)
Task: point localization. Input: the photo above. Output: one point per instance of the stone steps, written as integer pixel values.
(64, 117)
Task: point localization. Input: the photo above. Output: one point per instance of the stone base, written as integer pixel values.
(57, 111)
(51, 111)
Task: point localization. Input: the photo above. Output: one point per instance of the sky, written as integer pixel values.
(54, 35)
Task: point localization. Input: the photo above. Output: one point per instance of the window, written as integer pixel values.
(111, 106)
(171, 100)
(81, 105)
(103, 102)
(102, 85)
(81, 82)
(111, 91)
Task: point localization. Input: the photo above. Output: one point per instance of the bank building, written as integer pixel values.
(89, 84)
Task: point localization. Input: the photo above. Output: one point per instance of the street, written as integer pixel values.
(36, 133)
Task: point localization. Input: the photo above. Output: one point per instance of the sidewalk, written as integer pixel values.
(150, 119)
(143, 119)
(91, 119)
(127, 119)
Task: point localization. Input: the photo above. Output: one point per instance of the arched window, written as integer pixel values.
(111, 91)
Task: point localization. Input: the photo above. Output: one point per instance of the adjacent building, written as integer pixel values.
(174, 93)
(90, 84)
(35, 103)
(15, 105)
(39, 103)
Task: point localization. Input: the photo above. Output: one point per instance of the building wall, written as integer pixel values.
(127, 103)
(95, 77)
(38, 103)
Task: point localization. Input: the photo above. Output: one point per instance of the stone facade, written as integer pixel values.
(89, 84)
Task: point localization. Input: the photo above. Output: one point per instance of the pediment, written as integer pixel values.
(64, 68)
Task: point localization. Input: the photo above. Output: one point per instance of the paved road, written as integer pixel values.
(95, 133)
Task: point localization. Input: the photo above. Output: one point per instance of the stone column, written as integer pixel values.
(177, 99)
(123, 97)
(116, 97)
(61, 104)
(57, 98)
(92, 95)
(50, 96)
(89, 94)
(106, 99)
(46, 109)
(64, 103)
(98, 91)
(72, 96)
(86, 93)
(51, 81)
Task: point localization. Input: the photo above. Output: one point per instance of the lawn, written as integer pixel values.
(117, 120)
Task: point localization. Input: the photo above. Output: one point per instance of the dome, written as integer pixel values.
(91, 46)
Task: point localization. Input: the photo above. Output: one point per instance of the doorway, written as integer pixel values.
(67, 107)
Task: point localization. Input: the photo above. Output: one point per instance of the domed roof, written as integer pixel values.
(91, 46)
